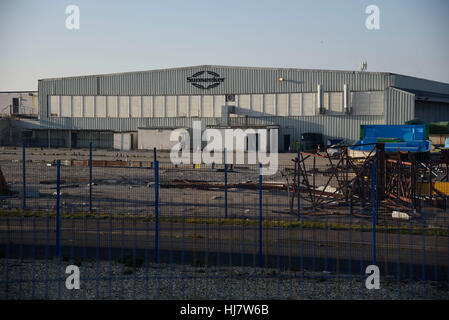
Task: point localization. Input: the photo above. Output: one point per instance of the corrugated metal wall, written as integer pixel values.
(431, 111)
(347, 127)
(392, 105)
(330, 126)
(399, 106)
(237, 80)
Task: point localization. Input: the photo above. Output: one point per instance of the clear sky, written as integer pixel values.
(121, 36)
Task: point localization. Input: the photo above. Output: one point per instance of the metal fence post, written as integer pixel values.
(350, 205)
(226, 184)
(58, 227)
(156, 208)
(373, 192)
(299, 184)
(90, 176)
(24, 176)
(260, 216)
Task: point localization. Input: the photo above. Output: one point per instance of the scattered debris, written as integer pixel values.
(400, 215)
(327, 189)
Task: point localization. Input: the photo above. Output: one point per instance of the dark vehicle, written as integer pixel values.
(311, 141)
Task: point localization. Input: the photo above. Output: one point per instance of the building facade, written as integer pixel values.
(334, 103)
(19, 103)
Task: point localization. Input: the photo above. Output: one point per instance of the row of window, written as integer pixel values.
(293, 104)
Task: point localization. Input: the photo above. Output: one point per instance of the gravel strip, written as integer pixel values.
(104, 280)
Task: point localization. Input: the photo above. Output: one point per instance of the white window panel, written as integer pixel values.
(295, 104)
(208, 106)
(245, 102)
(112, 106)
(136, 106)
(257, 104)
(270, 104)
(159, 106)
(54, 105)
(219, 102)
(123, 107)
(77, 107)
(195, 105)
(376, 103)
(66, 106)
(309, 104)
(282, 104)
(147, 106)
(89, 106)
(100, 106)
(170, 106)
(183, 106)
(360, 103)
(325, 101)
(336, 103)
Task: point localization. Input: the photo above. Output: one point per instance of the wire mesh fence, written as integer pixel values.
(154, 230)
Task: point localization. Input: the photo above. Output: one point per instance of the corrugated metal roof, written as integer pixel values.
(237, 80)
(412, 83)
(216, 67)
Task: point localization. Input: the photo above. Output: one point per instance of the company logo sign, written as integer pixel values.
(205, 80)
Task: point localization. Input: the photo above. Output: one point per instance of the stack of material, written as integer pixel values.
(4, 191)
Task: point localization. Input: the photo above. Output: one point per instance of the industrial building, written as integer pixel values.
(18, 112)
(74, 110)
(19, 103)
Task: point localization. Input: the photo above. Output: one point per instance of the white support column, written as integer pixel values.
(345, 96)
(319, 98)
(95, 106)
(83, 114)
(141, 107)
(71, 106)
(275, 104)
(263, 104)
(251, 109)
(106, 105)
(59, 107)
(118, 106)
(189, 102)
(153, 98)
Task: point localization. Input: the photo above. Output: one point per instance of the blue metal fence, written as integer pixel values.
(186, 241)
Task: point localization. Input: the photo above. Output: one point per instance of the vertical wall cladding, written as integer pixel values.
(115, 94)
(332, 127)
(399, 106)
(237, 80)
(431, 111)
